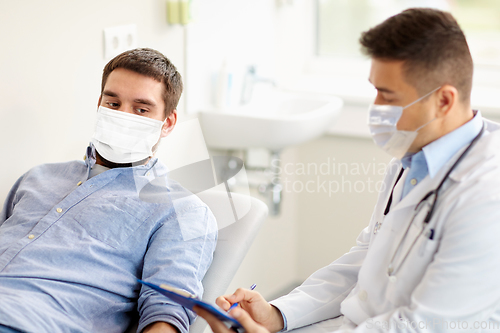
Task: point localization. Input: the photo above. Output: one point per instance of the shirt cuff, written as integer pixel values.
(165, 318)
(285, 325)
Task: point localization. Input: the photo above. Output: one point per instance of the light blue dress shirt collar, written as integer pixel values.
(438, 152)
(90, 161)
(434, 156)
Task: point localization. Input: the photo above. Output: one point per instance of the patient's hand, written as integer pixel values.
(241, 315)
(257, 307)
(160, 327)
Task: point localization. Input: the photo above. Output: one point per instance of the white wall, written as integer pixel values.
(329, 223)
(277, 39)
(238, 32)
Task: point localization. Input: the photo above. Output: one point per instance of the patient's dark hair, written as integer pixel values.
(153, 64)
(432, 46)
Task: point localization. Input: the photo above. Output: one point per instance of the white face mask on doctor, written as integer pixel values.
(382, 122)
(122, 137)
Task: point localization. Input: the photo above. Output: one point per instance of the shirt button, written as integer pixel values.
(79, 183)
(59, 210)
(413, 182)
(31, 236)
(363, 295)
(392, 278)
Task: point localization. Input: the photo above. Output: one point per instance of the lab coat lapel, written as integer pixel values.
(415, 195)
(398, 190)
(392, 173)
(427, 184)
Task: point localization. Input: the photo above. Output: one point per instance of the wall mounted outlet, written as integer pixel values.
(119, 39)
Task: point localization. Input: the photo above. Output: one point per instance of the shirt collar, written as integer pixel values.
(406, 160)
(440, 151)
(90, 159)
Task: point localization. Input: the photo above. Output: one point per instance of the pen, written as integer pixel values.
(236, 304)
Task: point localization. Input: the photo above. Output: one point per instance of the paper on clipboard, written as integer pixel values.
(189, 301)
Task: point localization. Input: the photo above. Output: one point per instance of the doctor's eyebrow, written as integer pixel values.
(385, 90)
(382, 89)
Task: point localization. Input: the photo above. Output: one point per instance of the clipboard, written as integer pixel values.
(187, 300)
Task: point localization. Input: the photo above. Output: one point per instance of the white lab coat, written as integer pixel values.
(448, 283)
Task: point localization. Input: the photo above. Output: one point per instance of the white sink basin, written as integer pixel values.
(274, 121)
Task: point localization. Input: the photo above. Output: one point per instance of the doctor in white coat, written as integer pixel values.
(429, 260)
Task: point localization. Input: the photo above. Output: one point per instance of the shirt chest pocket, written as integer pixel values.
(111, 220)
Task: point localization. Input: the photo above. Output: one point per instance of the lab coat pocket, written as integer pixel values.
(112, 220)
(412, 269)
(427, 241)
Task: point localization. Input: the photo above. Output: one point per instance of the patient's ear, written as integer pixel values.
(169, 124)
(99, 101)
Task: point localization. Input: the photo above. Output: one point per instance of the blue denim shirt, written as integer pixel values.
(71, 249)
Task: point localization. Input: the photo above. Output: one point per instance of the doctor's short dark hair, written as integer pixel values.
(153, 64)
(432, 46)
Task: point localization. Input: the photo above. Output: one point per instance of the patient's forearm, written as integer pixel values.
(160, 327)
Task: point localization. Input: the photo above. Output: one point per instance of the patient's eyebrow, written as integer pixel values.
(145, 101)
(109, 93)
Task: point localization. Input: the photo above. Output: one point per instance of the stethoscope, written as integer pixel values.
(391, 270)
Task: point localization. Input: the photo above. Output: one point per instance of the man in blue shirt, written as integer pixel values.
(76, 236)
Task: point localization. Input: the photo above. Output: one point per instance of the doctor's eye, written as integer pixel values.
(389, 100)
(386, 98)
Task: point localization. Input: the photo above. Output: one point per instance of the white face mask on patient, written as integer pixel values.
(382, 122)
(121, 137)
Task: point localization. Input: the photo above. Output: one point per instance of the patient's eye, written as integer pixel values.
(141, 111)
(112, 105)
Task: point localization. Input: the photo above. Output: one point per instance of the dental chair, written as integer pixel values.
(234, 239)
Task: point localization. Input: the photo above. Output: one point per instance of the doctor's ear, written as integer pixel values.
(447, 98)
(169, 124)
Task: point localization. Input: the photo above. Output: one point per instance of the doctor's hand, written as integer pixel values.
(239, 314)
(256, 306)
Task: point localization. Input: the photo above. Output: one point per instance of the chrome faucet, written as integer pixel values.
(249, 81)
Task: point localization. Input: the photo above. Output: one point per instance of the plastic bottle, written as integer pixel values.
(224, 87)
